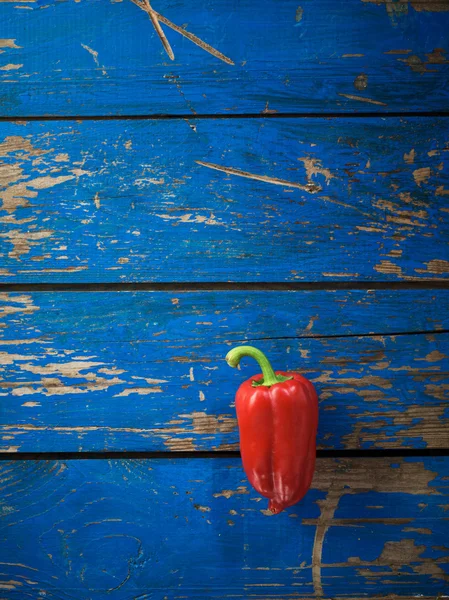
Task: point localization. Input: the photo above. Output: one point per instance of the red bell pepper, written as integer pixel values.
(277, 414)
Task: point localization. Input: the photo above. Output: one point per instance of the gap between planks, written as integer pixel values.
(187, 286)
(354, 453)
(262, 115)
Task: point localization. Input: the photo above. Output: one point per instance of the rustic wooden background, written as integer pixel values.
(283, 182)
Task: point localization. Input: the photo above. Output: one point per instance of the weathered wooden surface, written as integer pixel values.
(155, 529)
(101, 58)
(364, 199)
(146, 370)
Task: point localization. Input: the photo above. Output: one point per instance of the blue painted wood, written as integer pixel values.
(157, 529)
(314, 200)
(146, 370)
(98, 57)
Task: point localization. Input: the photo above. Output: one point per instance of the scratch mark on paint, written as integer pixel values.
(362, 99)
(141, 391)
(328, 507)
(311, 323)
(190, 36)
(159, 31)
(309, 187)
(97, 200)
(67, 270)
(94, 55)
(345, 205)
(341, 275)
(399, 51)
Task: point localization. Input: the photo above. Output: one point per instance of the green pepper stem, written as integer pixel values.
(270, 378)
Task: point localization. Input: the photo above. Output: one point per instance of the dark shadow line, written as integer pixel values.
(120, 455)
(192, 286)
(347, 335)
(190, 117)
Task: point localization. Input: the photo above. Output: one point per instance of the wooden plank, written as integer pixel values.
(102, 58)
(146, 370)
(195, 528)
(314, 200)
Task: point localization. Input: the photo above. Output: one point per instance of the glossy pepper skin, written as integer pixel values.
(277, 414)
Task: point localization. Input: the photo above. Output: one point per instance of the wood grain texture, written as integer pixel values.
(146, 370)
(247, 200)
(156, 529)
(104, 57)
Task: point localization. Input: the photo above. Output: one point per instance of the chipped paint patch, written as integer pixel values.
(229, 493)
(441, 191)
(191, 218)
(8, 43)
(18, 188)
(11, 67)
(203, 509)
(180, 444)
(22, 241)
(409, 157)
(17, 143)
(203, 423)
(388, 268)
(17, 195)
(429, 6)
(435, 267)
(360, 472)
(313, 166)
(361, 82)
(401, 7)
